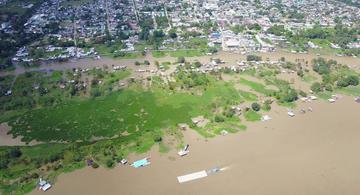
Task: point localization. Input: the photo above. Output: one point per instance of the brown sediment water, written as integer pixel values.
(8, 139)
(311, 154)
(229, 58)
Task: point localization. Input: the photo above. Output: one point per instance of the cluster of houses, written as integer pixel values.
(91, 20)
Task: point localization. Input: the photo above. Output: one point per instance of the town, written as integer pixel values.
(63, 29)
(147, 96)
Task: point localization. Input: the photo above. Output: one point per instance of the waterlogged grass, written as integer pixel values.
(248, 96)
(287, 104)
(130, 110)
(252, 116)
(351, 90)
(163, 148)
(178, 53)
(258, 87)
(324, 95)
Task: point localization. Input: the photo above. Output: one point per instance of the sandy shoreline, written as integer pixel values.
(312, 153)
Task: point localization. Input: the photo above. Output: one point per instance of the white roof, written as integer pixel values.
(46, 187)
(192, 176)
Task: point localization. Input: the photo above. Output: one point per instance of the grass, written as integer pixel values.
(178, 53)
(309, 78)
(130, 110)
(186, 53)
(287, 104)
(248, 96)
(258, 87)
(350, 90)
(324, 95)
(252, 116)
(158, 54)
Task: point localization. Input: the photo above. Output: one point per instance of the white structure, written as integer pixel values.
(192, 176)
(291, 113)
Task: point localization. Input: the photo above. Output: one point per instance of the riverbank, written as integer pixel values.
(311, 153)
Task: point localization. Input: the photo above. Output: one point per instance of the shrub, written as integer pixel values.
(146, 62)
(157, 138)
(219, 119)
(316, 87)
(328, 87)
(253, 58)
(15, 152)
(300, 73)
(137, 63)
(95, 165)
(302, 93)
(109, 163)
(255, 106)
(266, 106)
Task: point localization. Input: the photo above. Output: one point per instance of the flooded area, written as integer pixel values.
(8, 139)
(311, 153)
(230, 59)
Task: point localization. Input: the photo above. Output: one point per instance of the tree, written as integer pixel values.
(15, 152)
(181, 59)
(109, 163)
(353, 80)
(255, 106)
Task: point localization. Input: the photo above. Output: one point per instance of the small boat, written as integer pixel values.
(291, 113)
(123, 161)
(141, 163)
(313, 97)
(331, 100)
(43, 185)
(184, 151)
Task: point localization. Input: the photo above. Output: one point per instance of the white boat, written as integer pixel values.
(331, 100)
(123, 161)
(184, 151)
(291, 113)
(43, 185)
(313, 97)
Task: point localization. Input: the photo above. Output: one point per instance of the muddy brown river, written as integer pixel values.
(309, 154)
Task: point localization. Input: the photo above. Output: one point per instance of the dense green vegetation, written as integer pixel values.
(335, 77)
(339, 35)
